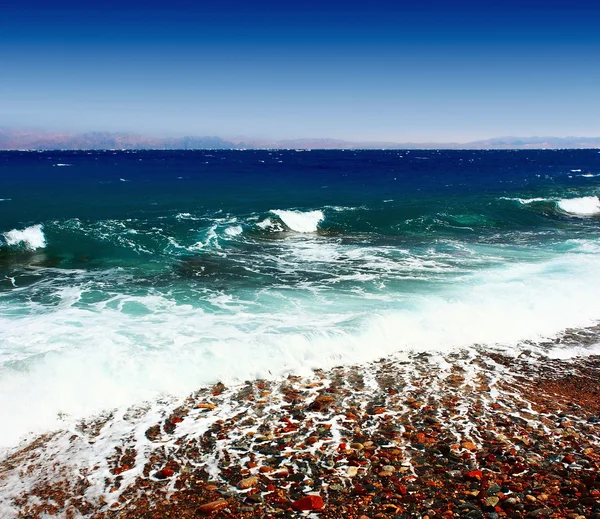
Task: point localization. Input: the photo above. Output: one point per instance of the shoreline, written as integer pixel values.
(471, 434)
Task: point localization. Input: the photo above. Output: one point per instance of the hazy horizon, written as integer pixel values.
(426, 73)
(42, 132)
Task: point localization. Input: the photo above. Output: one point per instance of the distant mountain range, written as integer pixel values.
(22, 139)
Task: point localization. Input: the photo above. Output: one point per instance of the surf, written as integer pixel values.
(31, 238)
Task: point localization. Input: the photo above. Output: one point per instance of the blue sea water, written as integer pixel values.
(130, 275)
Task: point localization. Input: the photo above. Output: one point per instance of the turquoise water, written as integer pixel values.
(125, 276)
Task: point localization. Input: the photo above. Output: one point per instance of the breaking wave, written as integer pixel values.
(526, 201)
(78, 360)
(30, 238)
(300, 221)
(580, 206)
(234, 230)
(584, 206)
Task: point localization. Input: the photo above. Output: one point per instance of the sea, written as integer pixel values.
(137, 276)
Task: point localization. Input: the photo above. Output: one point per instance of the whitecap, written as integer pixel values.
(31, 238)
(341, 208)
(185, 216)
(300, 221)
(526, 201)
(234, 230)
(268, 223)
(584, 206)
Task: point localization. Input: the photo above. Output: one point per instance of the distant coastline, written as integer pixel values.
(27, 139)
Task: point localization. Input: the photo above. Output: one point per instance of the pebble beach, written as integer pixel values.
(473, 434)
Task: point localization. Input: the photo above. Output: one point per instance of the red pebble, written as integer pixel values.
(308, 503)
(164, 474)
(359, 490)
(475, 474)
(401, 489)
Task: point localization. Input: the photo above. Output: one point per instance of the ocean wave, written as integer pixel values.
(120, 233)
(234, 230)
(342, 208)
(269, 224)
(30, 238)
(300, 221)
(147, 346)
(583, 206)
(186, 216)
(526, 201)
(580, 206)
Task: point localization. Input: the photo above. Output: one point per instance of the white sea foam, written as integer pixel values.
(341, 208)
(31, 238)
(234, 230)
(269, 223)
(584, 206)
(76, 361)
(526, 201)
(574, 351)
(63, 165)
(186, 216)
(211, 240)
(300, 221)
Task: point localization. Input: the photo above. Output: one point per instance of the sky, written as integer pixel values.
(446, 71)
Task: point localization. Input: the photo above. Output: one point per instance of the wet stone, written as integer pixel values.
(491, 502)
(494, 489)
(377, 449)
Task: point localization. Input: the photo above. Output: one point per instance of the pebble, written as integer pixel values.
(494, 489)
(352, 471)
(492, 501)
(164, 474)
(249, 482)
(310, 502)
(423, 450)
(213, 506)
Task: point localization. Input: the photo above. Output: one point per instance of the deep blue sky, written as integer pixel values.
(428, 70)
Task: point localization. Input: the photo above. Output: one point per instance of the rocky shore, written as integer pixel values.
(472, 434)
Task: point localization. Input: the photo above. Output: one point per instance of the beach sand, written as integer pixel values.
(471, 434)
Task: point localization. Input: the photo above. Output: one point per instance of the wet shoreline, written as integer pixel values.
(471, 434)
